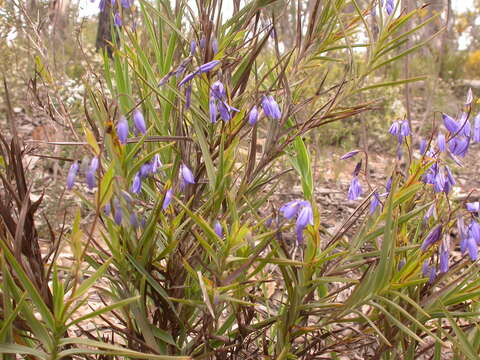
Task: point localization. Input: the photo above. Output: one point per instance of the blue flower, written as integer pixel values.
(388, 186)
(139, 121)
(303, 210)
(349, 154)
(168, 199)
(405, 128)
(425, 268)
(476, 128)
(395, 128)
(374, 202)
(118, 211)
(122, 130)
(271, 108)
(450, 124)
(187, 174)
(134, 220)
(433, 274)
(200, 70)
(290, 209)
(107, 209)
(305, 218)
(253, 116)
(430, 212)
(72, 175)
(465, 124)
(193, 47)
(355, 190)
(118, 19)
(459, 145)
(444, 254)
(442, 146)
(215, 46)
(156, 163)
(218, 229)
(137, 183)
(472, 248)
(188, 96)
(432, 237)
(473, 207)
(423, 146)
(389, 7)
(91, 182)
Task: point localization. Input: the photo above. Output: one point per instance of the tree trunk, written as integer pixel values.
(104, 32)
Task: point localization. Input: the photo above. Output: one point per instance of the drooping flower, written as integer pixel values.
(476, 128)
(430, 212)
(473, 207)
(465, 125)
(118, 19)
(349, 154)
(200, 70)
(107, 209)
(137, 183)
(187, 174)
(305, 218)
(423, 146)
(432, 237)
(193, 47)
(134, 220)
(290, 209)
(442, 146)
(472, 248)
(450, 124)
(202, 42)
(395, 128)
(118, 211)
(212, 106)
(401, 264)
(139, 121)
(271, 108)
(168, 199)
(215, 46)
(253, 116)
(303, 210)
(388, 186)
(474, 231)
(389, 7)
(72, 175)
(405, 128)
(433, 274)
(188, 96)
(355, 190)
(122, 130)
(459, 145)
(425, 268)
(218, 97)
(126, 3)
(218, 229)
(450, 180)
(146, 169)
(444, 254)
(156, 163)
(91, 182)
(374, 202)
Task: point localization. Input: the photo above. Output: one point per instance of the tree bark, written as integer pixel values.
(104, 32)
